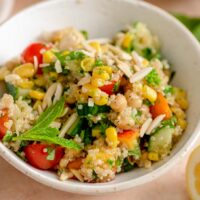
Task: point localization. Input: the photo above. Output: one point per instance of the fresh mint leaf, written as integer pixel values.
(49, 138)
(49, 115)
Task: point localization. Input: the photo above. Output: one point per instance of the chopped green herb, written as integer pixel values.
(110, 162)
(12, 90)
(7, 137)
(127, 166)
(168, 90)
(136, 152)
(94, 175)
(116, 86)
(170, 122)
(75, 55)
(153, 78)
(51, 153)
(119, 162)
(85, 110)
(48, 69)
(85, 34)
(147, 102)
(98, 62)
(149, 54)
(86, 136)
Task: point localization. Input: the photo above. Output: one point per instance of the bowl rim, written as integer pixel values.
(96, 189)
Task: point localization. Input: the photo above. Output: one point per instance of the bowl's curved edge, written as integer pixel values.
(98, 189)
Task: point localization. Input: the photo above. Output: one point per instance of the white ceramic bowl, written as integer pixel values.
(102, 18)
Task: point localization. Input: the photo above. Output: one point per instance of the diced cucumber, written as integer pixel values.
(136, 152)
(161, 141)
(75, 128)
(15, 91)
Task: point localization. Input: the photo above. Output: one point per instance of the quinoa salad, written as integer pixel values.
(89, 109)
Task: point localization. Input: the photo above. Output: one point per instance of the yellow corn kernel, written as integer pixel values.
(36, 94)
(36, 104)
(96, 132)
(183, 103)
(87, 64)
(101, 100)
(53, 75)
(111, 137)
(40, 81)
(153, 156)
(26, 84)
(104, 48)
(182, 123)
(3, 72)
(97, 82)
(48, 56)
(178, 112)
(64, 53)
(181, 98)
(105, 68)
(102, 72)
(25, 71)
(149, 93)
(145, 63)
(128, 38)
(90, 90)
(96, 46)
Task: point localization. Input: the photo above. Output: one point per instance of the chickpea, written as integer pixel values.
(133, 99)
(119, 103)
(124, 120)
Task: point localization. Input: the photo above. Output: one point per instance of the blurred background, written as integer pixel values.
(190, 7)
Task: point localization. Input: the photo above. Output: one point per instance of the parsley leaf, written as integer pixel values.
(153, 78)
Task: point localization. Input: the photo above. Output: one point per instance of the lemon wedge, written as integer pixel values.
(193, 174)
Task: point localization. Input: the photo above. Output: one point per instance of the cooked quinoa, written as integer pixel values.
(89, 109)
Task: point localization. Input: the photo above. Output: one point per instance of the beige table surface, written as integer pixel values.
(170, 186)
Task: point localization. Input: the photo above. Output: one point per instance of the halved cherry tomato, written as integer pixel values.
(109, 88)
(36, 155)
(160, 107)
(32, 50)
(4, 118)
(75, 164)
(128, 138)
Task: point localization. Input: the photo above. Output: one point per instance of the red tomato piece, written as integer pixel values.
(109, 88)
(36, 155)
(32, 50)
(4, 118)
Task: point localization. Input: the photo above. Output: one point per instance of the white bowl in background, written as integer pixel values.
(102, 19)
